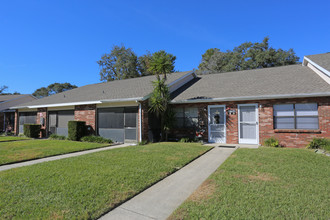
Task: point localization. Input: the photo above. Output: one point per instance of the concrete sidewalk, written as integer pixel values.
(160, 200)
(51, 158)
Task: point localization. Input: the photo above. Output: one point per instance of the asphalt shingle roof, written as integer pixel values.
(119, 89)
(322, 60)
(293, 79)
(9, 97)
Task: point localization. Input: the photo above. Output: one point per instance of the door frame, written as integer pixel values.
(257, 122)
(209, 119)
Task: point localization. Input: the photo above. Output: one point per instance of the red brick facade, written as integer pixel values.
(288, 138)
(42, 113)
(144, 119)
(86, 113)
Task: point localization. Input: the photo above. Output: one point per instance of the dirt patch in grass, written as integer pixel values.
(262, 177)
(259, 177)
(204, 191)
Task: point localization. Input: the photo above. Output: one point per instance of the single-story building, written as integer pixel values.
(290, 103)
(7, 115)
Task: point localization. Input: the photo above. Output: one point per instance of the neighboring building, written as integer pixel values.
(290, 103)
(113, 110)
(7, 115)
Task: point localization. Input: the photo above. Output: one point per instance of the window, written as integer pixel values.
(296, 116)
(186, 117)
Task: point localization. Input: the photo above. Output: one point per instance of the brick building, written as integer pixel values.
(7, 115)
(290, 103)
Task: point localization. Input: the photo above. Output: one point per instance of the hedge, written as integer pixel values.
(76, 130)
(32, 130)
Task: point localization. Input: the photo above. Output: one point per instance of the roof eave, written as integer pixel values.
(249, 98)
(316, 65)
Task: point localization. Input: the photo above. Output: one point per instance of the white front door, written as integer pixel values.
(217, 123)
(248, 128)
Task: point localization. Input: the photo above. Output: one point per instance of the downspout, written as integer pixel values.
(140, 122)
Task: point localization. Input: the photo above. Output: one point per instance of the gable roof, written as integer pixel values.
(276, 82)
(134, 89)
(322, 60)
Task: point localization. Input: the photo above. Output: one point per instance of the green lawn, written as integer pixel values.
(16, 151)
(87, 186)
(264, 183)
(12, 138)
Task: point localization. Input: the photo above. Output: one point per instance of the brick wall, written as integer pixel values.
(294, 138)
(1, 122)
(288, 138)
(16, 123)
(86, 113)
(42, 113)
(145, 121)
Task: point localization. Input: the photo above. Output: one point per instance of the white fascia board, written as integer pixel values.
(79, 103)
(181, 78)
(122, 100)
(63, 104)
(317, 66)
(172, 83)
(247, 98)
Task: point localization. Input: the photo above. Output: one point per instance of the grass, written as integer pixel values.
(88, 186)
(12, 138)
(264, 184)
(16, 151)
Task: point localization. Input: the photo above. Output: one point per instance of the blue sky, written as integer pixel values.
(42, 42)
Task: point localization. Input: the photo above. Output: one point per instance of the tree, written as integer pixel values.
(3, 88)
(244, 57)
(161, 64)
(53, 89)
(123, 63)
(144, 64)
(120, 63)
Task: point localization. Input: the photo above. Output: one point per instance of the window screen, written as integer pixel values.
(63, 118)
(130, 116)
(296, 116)
(111, 118)
(27, 118)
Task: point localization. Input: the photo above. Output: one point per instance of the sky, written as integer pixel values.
(48, 41)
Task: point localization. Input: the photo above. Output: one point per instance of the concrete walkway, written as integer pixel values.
(160, 200)
(51, 158)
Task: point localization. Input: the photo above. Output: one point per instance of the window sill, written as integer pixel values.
(297, 131)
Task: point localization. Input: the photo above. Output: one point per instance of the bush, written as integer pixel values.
(96, 139)
(57, 137)
(76, 130)
(272, 142)
(184, 140)
(144, 142)
(319, 143)
(32, 130)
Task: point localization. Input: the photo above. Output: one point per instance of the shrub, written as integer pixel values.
(272, 142)
(184, 140)
(319, 143)
(76, 130)
(57, 137)
(32, 130)
(96, 139)
(144, 142)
